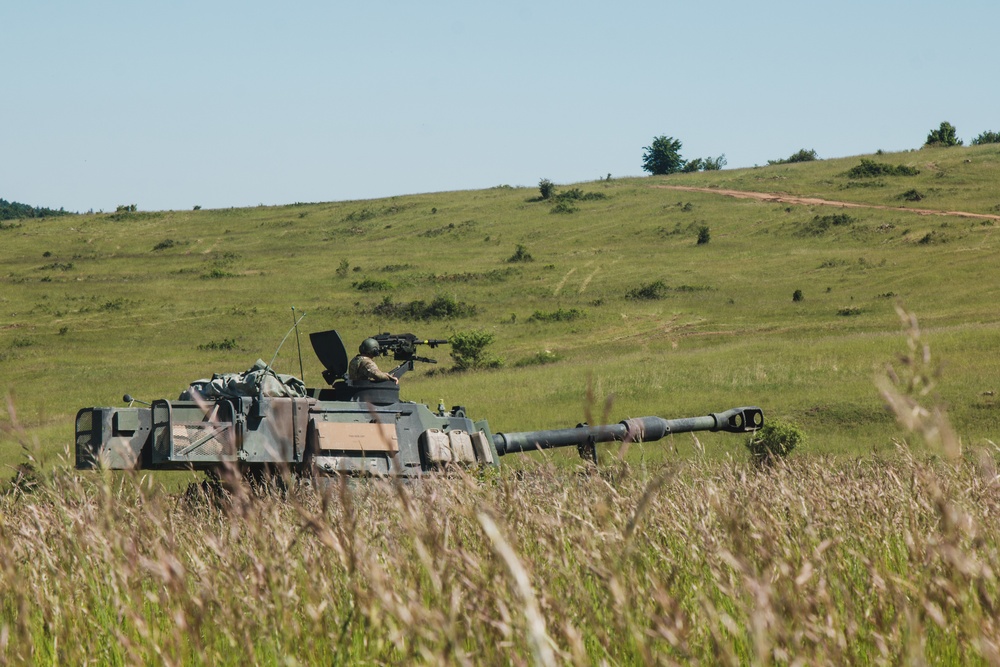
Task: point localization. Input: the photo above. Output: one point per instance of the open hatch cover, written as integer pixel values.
(330, 351)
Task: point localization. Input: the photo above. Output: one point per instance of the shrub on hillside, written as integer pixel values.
(663, 156)
(705, 164)
(219, 345)
(802, 156)
(988, 137)
(218, 272)
(715, 163)
(775, 440)
(556, 315)
(539, 359)
(372, 285)
(521, 254)
(872, 169)
(654, 290)
(945, 135)
(820, 224)
(546, 188)
(468, 350)
(441, 308)
(692, 166)
(577, 194)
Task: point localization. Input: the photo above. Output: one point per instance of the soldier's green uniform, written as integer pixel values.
(363, 367)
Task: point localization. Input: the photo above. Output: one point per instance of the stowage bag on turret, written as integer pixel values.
(258, 380)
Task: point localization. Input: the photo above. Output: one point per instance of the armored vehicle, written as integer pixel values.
(259, 420)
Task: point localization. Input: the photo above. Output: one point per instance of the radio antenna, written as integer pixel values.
(298, 344)
(294, 327)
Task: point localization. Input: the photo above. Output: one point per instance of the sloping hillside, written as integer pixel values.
(788, 305)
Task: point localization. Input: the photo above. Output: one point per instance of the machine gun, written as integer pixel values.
(403, 348)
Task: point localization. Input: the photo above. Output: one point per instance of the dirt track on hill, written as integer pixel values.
(778, 198)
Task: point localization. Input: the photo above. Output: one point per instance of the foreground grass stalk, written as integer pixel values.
(813, 561)
(540, 642)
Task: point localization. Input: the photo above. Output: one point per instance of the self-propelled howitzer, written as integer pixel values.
(259, 421)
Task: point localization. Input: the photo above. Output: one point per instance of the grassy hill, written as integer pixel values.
(95, 306)
(844, 556)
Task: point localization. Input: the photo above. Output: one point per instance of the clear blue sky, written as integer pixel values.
(219, 103)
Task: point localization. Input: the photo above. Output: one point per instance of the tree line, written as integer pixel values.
(12, 210)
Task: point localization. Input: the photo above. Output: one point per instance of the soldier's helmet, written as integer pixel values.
(369, 347)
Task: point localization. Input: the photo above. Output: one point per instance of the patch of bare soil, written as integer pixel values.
(780, 198)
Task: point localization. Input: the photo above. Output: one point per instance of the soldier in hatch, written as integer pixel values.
(363, 366)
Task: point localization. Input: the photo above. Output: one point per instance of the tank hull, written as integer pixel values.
(302, 434)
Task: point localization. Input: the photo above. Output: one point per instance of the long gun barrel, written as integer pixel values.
(640, 429)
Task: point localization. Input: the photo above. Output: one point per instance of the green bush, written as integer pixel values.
(26, 480)
(372, 285)
(57, 266)
(821, 223)
(521, 254)
(546, 188)
(714, 163)
(577, 194)
(775, 440)
(932, 236)
(694, 165)
(112, 305)
(441, 308)
(539, 359)
(468, 350)
(988, 137)
(563, 206)
(556, 315)
(797, 295)
(871, 169)
(663, 156)
(654, 290)
(704, 235)
(912, 195)
(802, 156)
(945, 135)
(704, 164)
(218, 345)
(218, 272)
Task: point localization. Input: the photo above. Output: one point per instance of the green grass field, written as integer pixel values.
(876, 543)
(98, 305)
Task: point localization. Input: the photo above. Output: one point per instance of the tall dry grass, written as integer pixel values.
(811, 561)
(875, 562)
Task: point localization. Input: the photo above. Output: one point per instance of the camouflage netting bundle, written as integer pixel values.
(258, 380)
